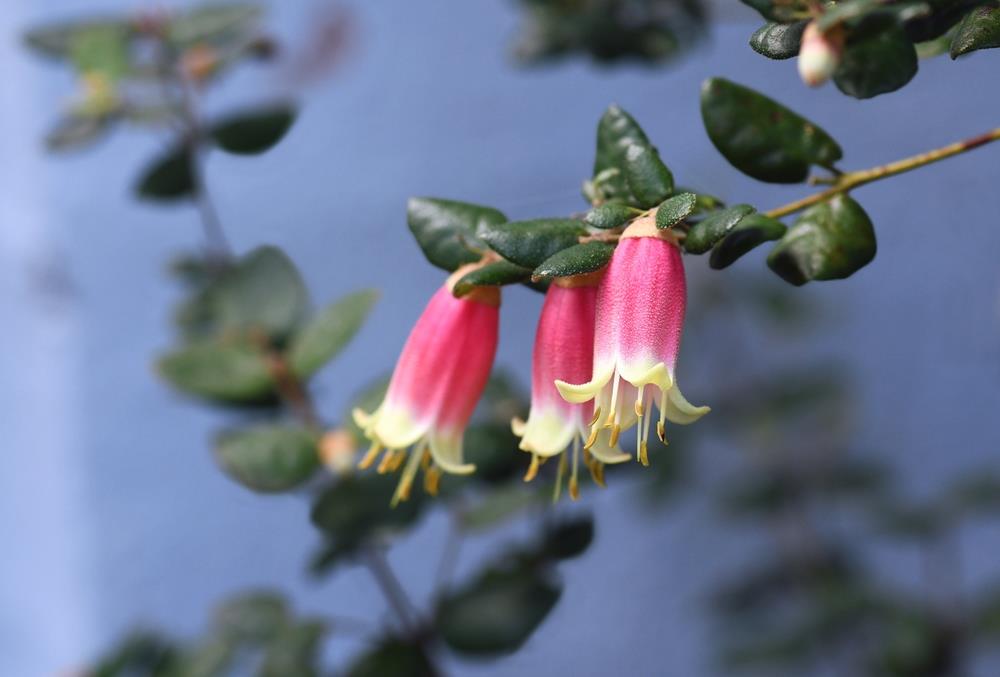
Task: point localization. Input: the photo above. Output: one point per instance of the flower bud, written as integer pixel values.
(820, 54)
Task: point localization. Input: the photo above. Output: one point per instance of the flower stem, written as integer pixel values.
(850, 180)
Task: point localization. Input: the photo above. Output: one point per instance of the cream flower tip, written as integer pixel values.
(578, 394)
(680, 411)
(657, 375)
(361, 418)
(517, 426)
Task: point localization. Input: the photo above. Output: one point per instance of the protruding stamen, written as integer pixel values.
(639, 408)
(644, 453)
(370, 456)
(596, 417)
(574, 485)
(592, 440)
(432, 480)
(398, 458)
(597, 473)
(425, 461)
(613, 409)
(532, 469)
(615, 432)
(387, 460)
(560, 474)
(409, 473)
(661, 431)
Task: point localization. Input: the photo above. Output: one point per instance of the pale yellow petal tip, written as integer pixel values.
(517, 426)
(578, 394)
(657, 375)
(361, 418)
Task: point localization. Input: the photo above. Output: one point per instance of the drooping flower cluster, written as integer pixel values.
(605, 351)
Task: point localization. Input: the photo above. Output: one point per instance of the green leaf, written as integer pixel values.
(395, 657)
(629, 164)
(751, 231)
(169, 177)
(225, 371)
(448, 232)
(569, 538)
(675, 210)
(710, 230)
(529, 243)
(328, 332)
(577, 260)
(57, 40)
(879, 63)
(500, 506)
(140, 653)
(777, 40)
(980, 29)
(762, 138)
(262, 293)
(269, 458)
(254, 132)
(76, 131)
(978, 493)
(829, 241)
(101, 49)
(214, 23)
(294, 650)
(610, 215)
(779, 10)
(495, 274)
(496, 613)
(648, 178)
(251, 617)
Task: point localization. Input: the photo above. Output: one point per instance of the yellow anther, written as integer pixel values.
(386, 462)
(432, 480)
(532, 469)
(370, 456)
(638, 408)
(403, 490)
(597, 473)
(574, 488)
(614, 435)
(643, 453)
(596, 417)
(592, 440)
(425, 461)
(661, 431)
(397, 461)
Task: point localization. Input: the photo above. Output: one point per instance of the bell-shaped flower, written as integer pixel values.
(639, 320)
(434, 388)
(564, 350)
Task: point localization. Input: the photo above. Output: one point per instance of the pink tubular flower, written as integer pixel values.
(564, 349)
(640, 317)
(438, 379)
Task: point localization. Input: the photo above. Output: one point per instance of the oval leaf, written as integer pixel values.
(219, 370)
(675, 210)
(268, 458)
(529, 243)
(704, 234)
(493, 274)
(648, 178)
(610, 215)
(829, 241)
(762, 138)
(980, 29)
(448, 231)
(750, 232)
(778, 41)
(169, 177)
(253, 132)
(881, 62)
(627, 166)
(326, 334)
(582, 258)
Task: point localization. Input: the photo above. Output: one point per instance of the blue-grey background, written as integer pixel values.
(112, 511)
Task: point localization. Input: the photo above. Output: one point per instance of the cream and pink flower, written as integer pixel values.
(639, 320)
(564, 349)
(438, 379)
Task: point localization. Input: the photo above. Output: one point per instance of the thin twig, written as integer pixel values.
(391, 588)
(851, 180)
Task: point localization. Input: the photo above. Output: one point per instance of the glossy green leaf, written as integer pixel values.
(711, 229)
(778, 40)
(168, 177)
(634, 172)
(675, 210)
(251, 617)
(751, 231)
(569, 538)
(610, 215)
(449, 232)
(224, 371)
(294, 650)
(829, 241)
(879, 63)
(263, 292)
(980, 29)
(529, 243)
(328, 332)
(269, 458)
(253, 132)
(395, 657)
(579, 259)
(213, 23)
(762, 138)
(495, 274)
(496, 613)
